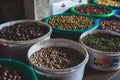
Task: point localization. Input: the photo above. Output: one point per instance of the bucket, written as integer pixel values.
(72, 73)
(99, 59)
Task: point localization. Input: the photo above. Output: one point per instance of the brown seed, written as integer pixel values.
(71, 22)
(56, 58)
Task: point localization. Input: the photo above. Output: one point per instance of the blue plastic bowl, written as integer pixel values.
(104, 19)
(117, 13)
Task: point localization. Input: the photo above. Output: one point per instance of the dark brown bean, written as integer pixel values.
(7, 73)
(23, 31)
(56, 58)
(92, 10)
(111, 24)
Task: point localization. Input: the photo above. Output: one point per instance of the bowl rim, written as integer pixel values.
(94, 15)
(59, 71)
(28, 68)
(22, 42)
(99, 51)
(94, 26)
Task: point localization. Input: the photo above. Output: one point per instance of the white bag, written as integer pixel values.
(60, 6)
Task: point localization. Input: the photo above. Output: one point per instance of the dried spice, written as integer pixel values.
(23, 31)
(103, 42)
(111, 24)
(92, 10)
(71, 22)
(7, 73)
(56, 58)
(109, 2)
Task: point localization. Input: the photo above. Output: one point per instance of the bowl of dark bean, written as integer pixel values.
(103, 47)
(70, 26)
(111, 23)
(15, 70)
(17, 36)
(115, 4)
(94, 10)
(58, 59)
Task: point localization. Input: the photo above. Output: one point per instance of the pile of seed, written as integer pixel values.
(56, 58)
(109, 2)
(7, 73)
(23, 31)
(92, 10)
(111, 24)
(71, 22)
(103, 42)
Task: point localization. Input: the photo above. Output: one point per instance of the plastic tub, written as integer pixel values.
(73, 9)
(114, 7)
(117, 13)
(73, 73)
(27, 72)
(110, 18)
(102, 60)
(18, 49)
(70, 34)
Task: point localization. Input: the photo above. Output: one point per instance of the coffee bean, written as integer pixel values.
(56, 58)
(111, 24)
(92, 10)
(71, 22)
(23, 31)
(7, 73)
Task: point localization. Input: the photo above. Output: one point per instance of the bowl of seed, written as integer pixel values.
(103, 47)
(94, 10)
(115, 4)
(58, 59)
(70, 26)
(15, 70)
(112, 23)
(17, 36)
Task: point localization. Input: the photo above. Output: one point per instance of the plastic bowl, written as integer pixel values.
(73, 73)
(27, 72)
(114, 7)
(73, 9)
(104, 19)
(101, 60)
(18, 49)
(117, 13)
(70, 34)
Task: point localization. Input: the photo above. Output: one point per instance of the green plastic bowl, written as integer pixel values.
(114, 7)
(73, 10)
(27, 72)
(70, 34)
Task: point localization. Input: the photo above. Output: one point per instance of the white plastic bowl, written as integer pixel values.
(73, 73)
(101, 60)
(18, 49)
